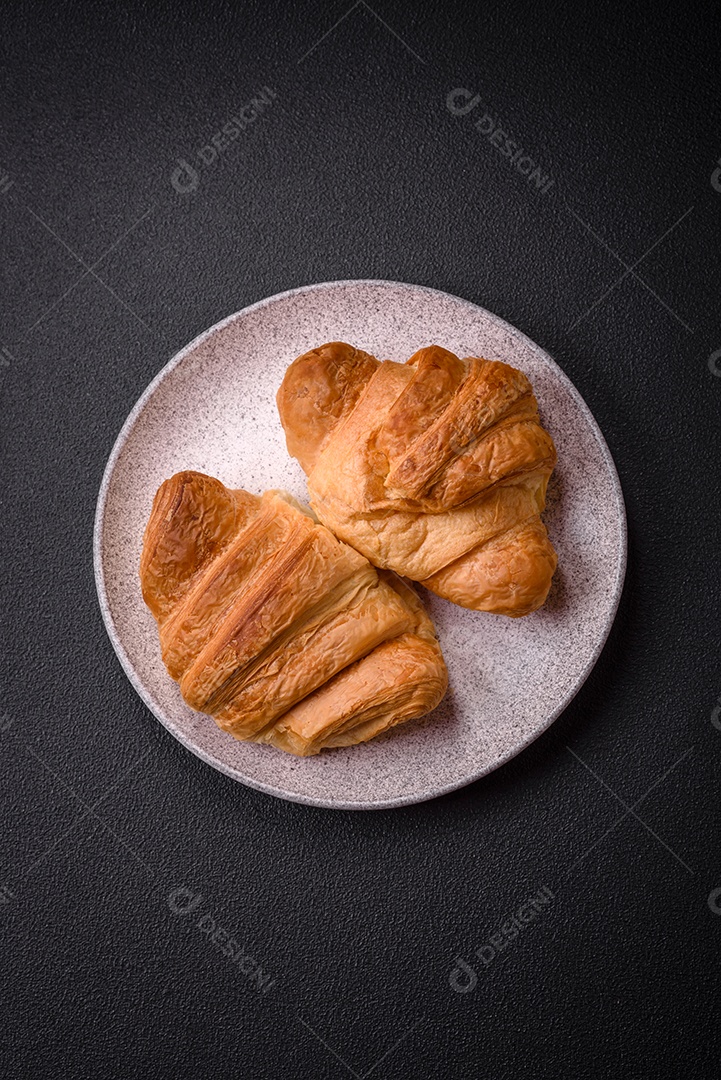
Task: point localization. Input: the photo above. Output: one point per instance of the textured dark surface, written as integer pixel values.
(359, 169)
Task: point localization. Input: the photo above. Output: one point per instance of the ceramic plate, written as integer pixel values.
(212, 408)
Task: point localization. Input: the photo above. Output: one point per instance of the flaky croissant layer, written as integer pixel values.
(436, 469)
(279, 631)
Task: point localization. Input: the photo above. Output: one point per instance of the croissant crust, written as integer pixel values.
(436, 469)
(275, 628)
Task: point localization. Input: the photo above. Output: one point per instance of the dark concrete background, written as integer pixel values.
(358, 169)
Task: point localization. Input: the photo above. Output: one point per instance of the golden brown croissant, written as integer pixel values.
(281, 632)
(436, 469)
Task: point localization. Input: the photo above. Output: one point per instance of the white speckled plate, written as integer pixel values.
(212, 408)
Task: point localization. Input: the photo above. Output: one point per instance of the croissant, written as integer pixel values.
(279, 631)
(436, 469)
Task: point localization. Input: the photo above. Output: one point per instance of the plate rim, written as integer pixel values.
(126, 663)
